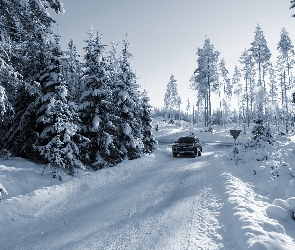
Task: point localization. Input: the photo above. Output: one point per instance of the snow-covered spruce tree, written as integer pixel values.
(9, 77)
(26, 25)
(261, 142)
(72, 69)
(113, 63)
(24, 29)
(2, 190)
(17, 91)
(148, 138)
(126, 97)
(57, 125)
(6, 112)
(21, 135)
(97, 108)
(205, 78)
(261, 134)
(20, 138)
(171, 98)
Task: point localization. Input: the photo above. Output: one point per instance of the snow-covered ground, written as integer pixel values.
(157, 202)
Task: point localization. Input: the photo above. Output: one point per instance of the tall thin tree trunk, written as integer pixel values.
(251, 99)
(247, 108)
(239, 111)
(209, 101)
(264, 94)
(282, 93)
(193, 121)
(286, 99)
(220, 118)
(206, 110)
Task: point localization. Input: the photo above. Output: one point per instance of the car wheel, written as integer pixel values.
(199, 153)
(174, 154)
(194, 154)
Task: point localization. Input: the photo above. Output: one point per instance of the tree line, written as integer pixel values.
(56, 109)
(258, 88)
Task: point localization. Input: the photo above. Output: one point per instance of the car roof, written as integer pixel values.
(186, 139)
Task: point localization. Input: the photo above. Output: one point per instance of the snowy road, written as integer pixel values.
(166, 204)
(156, 202)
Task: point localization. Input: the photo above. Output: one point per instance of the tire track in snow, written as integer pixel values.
(203, 233)
(190, 223)
(211, 225)
(144, 214)
(184, 218)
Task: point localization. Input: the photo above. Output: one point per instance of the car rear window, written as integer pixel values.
(186, 139)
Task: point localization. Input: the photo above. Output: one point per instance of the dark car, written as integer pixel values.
(188, 145)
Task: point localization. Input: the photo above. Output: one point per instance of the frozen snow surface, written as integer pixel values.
(156, 202)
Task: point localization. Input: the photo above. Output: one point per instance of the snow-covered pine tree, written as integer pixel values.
(260, 51)
(237, 88)
(58, 141)
(285, 62)
(273, 94)
(273, 91)
(179, 102)
(171, 98)
(205, 78)
(261, 55)
(126, 97)
(148, 138)
(225, 91)
(226, 82)
(292, 6)
(248, 70)
(97, 108)
(188, 105)
(188, 108)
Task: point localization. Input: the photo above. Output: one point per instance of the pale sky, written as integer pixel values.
(164, 34)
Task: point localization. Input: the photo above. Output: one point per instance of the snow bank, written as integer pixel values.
(257, 224)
